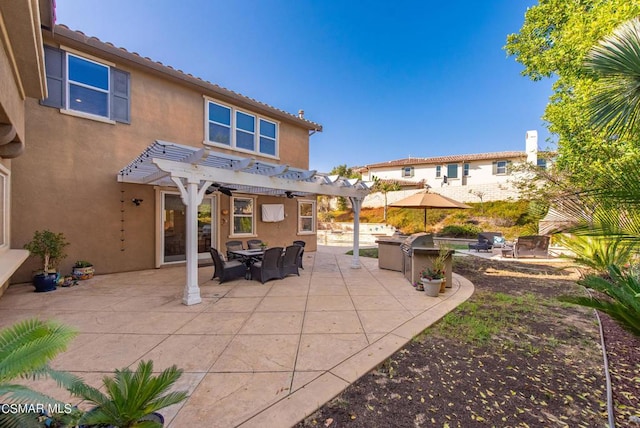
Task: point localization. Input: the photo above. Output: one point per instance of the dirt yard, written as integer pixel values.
(511, 356)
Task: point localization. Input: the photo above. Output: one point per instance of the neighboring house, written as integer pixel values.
(123, 148)
(22, 76)
(460, 176)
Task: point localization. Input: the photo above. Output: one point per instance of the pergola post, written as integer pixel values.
(191, 197)
(356, 204)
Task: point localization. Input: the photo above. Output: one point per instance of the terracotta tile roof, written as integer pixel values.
(448, 159)
(62, 32)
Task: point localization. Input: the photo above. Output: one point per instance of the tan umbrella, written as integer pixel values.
(426, 200)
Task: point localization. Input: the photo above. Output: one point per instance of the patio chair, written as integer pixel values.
(233, 246)
(269, 267)
(254, 244)
(302, 244)
(226, 270)
(533, 245)
(291, 260)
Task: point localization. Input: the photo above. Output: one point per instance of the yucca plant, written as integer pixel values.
(622, 301)
(26, 348)
(130, 397)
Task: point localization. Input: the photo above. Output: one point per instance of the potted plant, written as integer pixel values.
(131, 398)
(431, 279)
(49, 246)
(83, 269)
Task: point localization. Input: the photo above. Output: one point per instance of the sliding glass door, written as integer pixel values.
(174, 227)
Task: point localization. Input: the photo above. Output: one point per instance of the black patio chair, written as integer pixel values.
(233, 246)
(269, 267)
(254, 244)
(226, 270)
(291, 261)
(302, 244)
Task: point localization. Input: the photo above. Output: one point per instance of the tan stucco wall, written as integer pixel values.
(66, 179)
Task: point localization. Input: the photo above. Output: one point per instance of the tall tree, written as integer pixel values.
(553, 43)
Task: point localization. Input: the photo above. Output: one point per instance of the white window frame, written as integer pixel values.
(245, 131)
(503, 167)
(257, 134)
(312, 217)
(407, 171)
(5, 209)
(68, 82)
(466, 167)
(233, 233)
(438, 171)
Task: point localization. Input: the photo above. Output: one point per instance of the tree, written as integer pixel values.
(611, 212)
(384, 187)
(553, 43)
(346, 172)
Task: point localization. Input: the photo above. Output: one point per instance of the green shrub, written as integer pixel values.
(460, 231)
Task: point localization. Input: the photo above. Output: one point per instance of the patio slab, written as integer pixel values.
(253, 354)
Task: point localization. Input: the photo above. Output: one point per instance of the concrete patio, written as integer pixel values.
(252, 354)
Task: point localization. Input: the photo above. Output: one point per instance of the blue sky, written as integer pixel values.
(387, 80)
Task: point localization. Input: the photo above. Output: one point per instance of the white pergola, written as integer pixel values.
(193, 170)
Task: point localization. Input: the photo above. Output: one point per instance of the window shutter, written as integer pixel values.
(120, 99)
(55, 70)
(508, 167)
(495, 167)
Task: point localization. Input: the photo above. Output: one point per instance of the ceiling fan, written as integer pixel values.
(290, 194)
(220, 188)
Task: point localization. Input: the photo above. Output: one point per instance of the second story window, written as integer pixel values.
(452, 170)
(407, 171)
(241, 130)
(500, 167)
(86, 87)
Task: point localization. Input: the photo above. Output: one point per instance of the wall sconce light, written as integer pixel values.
(136, 201)
(224, 212)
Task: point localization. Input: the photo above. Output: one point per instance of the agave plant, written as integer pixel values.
(130, 397)
(25, 351)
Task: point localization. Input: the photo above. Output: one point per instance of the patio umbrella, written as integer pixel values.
(426, 200)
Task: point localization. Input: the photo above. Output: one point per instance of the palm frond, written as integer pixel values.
(27, 346)
(129, 395)
(616, 59)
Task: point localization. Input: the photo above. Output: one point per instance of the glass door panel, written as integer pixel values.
(174, 228)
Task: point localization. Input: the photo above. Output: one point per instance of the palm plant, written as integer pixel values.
(130, 397)
(616, 62)
(25, 351)
(610, 213)
(622, 301)
(597, 253)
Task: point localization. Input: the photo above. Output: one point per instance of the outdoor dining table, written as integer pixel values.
(248, 257)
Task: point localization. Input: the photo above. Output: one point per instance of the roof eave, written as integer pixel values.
(77, 39)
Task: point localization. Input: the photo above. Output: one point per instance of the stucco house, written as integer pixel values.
(460, 176)
(142, 166)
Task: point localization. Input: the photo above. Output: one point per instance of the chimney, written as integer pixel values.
(301, 114)
(531, 147)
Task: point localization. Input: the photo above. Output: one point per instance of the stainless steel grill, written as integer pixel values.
(412, 241)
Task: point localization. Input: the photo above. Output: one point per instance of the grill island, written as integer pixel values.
(410, 254)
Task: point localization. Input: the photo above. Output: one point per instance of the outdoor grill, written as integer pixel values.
(407, 246)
